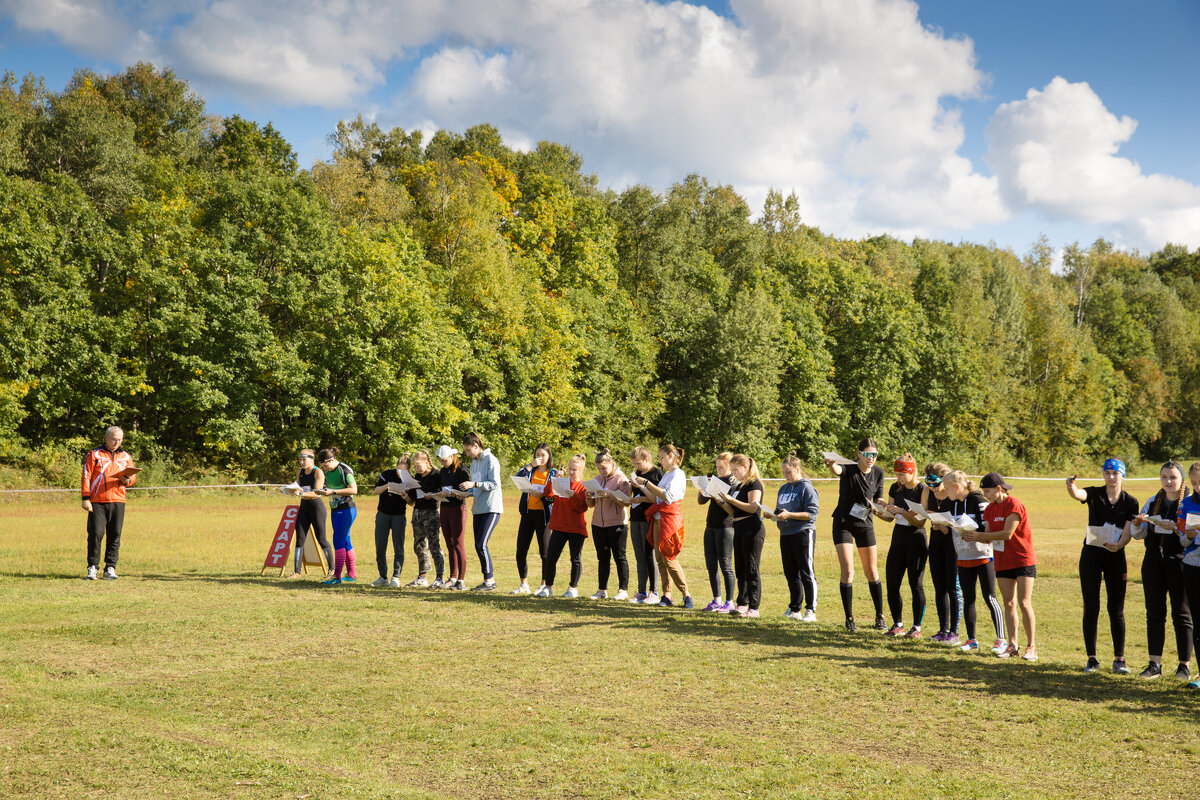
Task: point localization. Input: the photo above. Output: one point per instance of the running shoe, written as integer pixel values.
(714, 605)
(689, 603)
(379, 582)
(91, 573)
(1120, 667)
(809, 616)
(740, 611)
(571, 593)
(895, 630)
(600, 595)
(1030, 653)
(952, 640)
(1194, 684)
(294, 576)
(621, 595)
(543, 591)
(665, 601)
(971, 646)
(394, 582)
(522, 589)
(486, 586)
(348, 579)
(331, 582)
(438, 583)
(850, 626)
(751, 613)
(420, 582)
(728, 608)
(1093, 664)
(939, 637)
(1182, 672)
(1151, 671)
(651, 599)
(110, 573)
(913, 633)
(1011, 651)
(880, 624)
(638, 598)
(999, 647)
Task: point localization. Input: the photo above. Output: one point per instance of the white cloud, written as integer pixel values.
(1056, 151)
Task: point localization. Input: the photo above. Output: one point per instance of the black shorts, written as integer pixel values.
(861, 537)
(1018, 572)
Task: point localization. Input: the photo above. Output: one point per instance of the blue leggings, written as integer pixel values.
(483, 525)
(343, 518)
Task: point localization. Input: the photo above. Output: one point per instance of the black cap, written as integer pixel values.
(994, 480)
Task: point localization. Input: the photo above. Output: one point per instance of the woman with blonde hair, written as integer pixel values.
(427, 540)
(965, 501)
(312, 511)
(568, 528)
(666, 521)
(749, 534)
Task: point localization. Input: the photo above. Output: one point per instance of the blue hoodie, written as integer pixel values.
(798, 496)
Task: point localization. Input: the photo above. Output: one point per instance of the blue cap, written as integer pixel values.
(1115, 464)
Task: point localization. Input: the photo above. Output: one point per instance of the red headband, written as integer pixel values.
(907, 467)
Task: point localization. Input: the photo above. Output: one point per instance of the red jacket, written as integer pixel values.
(569, 514)
(99, 466)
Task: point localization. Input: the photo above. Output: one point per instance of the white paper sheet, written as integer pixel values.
(562, 486)
(1099, 535)
(836, 459)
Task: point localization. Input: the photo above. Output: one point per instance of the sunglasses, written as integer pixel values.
(933, 480)
(868, 456)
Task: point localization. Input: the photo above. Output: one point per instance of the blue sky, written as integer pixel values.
(884, 116)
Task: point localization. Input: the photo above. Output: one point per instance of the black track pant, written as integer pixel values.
(986, 576)
(907, 554)
(610, 546)
(532, 526)
(718, 557)
(747, 552)
(1191, 586)
(643, 555)
(559, 540)
(797, 552)
(1163, 577)
(1097, 564)
(104, 524)
(389, 526)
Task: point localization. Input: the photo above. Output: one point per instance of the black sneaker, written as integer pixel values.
(850, 626)
(1182, 672)
(880, 624)
(1151, 671)
(1120, 667)
(1093, 664)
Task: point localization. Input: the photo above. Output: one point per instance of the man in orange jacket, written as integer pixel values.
(103, 491)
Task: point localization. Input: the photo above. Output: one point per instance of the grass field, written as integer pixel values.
(194, 677)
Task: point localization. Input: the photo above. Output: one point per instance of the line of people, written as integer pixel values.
(979, 539)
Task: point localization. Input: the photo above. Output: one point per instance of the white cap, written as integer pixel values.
(445, 451)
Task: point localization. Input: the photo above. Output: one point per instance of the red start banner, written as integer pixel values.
(281, 544)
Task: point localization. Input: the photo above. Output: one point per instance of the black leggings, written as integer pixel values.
(533, 523)
(1163, 576)
(747, 552)
(1096, 564)
(610, 546)
(559, 540)
(907, 553)
(943, 568)
(312, 515)
(986, 575)
(643, 555)
(718, 557)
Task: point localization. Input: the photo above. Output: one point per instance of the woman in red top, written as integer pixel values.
(1016, 563)
(568, 526)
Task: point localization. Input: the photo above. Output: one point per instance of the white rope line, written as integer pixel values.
(278, 485)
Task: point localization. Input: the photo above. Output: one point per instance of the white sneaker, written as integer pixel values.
(91, 573)
(600, 595)
(522, 589)
(809, 616)
(651, 599)
(421, 582)
(380, 582)
(543, 591)
(789, 614)
(110, 574)
(394, 582)
(571, 592)
(621, 595)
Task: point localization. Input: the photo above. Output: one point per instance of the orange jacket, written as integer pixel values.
(99, 467)
(670, 528)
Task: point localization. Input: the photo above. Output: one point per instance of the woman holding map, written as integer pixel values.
(666, 522)
(311, 515)
(340, 488)
(976, 562)
(535, 512)
(609, 499)
(909, 550)
(568, 527)
(860, 488)
(718, 541)
(1162, 572)
(1188, 520)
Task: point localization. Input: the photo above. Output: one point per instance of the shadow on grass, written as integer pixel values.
(981, 674)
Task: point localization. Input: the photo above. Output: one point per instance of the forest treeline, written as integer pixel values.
(179, 274)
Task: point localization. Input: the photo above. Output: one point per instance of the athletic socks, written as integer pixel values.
(876, 588)
(847, 590)
(351, 560)
(339, 561)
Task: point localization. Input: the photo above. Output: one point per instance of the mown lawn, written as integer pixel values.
(194, 677)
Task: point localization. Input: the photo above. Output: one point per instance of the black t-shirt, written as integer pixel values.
(1166, 544)
(897, 494)
(1102, 512)
(638, 513)
(973, 506)
(858, 487)
(750, 521)
(449, 476)
(430, 483)
(717, 518)
(390, 503)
